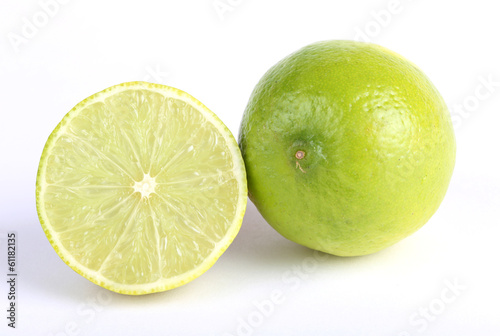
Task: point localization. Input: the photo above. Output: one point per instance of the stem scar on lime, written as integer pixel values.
(299, 155)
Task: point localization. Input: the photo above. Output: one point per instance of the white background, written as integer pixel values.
(218, 56)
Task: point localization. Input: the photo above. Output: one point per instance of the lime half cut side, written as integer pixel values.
(141, 188)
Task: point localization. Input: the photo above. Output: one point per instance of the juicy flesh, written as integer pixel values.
(140, 187)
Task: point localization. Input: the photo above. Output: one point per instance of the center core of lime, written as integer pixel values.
(146, 187)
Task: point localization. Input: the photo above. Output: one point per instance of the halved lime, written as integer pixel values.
(141, 188)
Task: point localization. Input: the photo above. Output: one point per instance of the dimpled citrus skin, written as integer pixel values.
(377, 143)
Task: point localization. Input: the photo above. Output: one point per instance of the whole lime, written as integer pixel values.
(348, 147)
